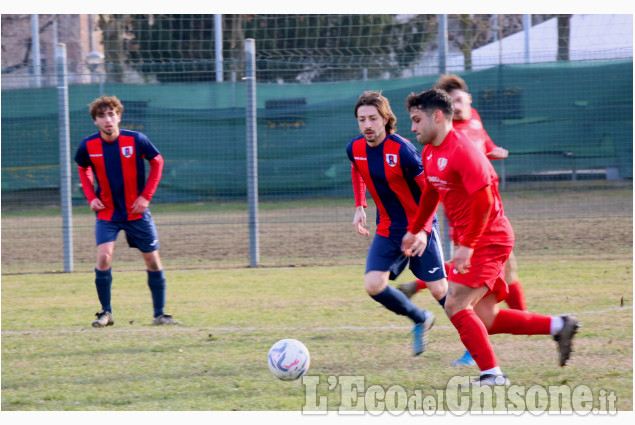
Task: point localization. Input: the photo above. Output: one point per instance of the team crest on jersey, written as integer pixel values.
(126, 151)
(391, 159)
(441, 163)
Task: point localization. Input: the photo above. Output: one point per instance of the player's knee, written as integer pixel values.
(104, 260)
(373, 287)
(438, 289)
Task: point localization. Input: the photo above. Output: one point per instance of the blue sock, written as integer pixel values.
(156, 282)
(397, 302)
(442, 301)
(103, 282)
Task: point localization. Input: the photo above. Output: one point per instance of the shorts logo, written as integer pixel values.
(126, 151)
(391, 159)
(442, 162)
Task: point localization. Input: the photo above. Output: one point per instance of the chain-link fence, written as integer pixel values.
(555, 90)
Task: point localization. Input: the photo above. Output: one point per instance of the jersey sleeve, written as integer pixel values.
(474, 169)
(411, 161)
(147, 149)
(81, 156)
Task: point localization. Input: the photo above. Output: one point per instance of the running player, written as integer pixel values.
(460, 176)
(468, 121)
(114, 158)
(389, 166)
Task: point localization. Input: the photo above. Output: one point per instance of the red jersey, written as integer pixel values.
(456, 169)
(474, 130)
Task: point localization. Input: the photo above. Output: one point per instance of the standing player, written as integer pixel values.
(390, 167)
(468, 121)
(460, 176)
(115, 158)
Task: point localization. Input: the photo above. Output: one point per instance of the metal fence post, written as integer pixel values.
(252, 151)
(65, 155)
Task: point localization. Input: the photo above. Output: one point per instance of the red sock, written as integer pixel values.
(518, 322)
(420, 285)
(516, 297)
(474, 336)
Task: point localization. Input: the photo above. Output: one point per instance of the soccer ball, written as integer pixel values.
(288, 359)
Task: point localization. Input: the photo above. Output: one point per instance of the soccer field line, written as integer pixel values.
(45, 332)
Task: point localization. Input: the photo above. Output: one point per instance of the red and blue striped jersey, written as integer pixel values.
(392, 172)
(118, 167)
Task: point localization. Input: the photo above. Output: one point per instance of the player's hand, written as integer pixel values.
(97, 205)
(461, 258)
(414, 245)
(139, 205)
(359, 221)
(498, 153)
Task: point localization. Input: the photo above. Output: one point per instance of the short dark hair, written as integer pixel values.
(375, 98)
(104, 102)
(430, 101)
(451, 82)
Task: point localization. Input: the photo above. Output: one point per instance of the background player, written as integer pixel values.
(460, 176)
(390, 167)
(115, 158)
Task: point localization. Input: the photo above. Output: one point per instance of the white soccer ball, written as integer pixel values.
(288, 359)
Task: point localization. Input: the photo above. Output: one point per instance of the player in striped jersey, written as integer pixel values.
(389, 166)
(114, 159)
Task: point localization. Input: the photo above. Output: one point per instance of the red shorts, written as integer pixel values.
(487, 269)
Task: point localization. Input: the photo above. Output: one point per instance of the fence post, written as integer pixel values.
(35, 51)
(252, 151)
(443, 43)
(65, 155)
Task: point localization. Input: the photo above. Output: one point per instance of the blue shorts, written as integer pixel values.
(141, 233)
(385, 255)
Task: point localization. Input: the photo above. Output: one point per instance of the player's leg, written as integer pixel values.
(459, 306)
(516, 297)
(519, 322)
(105, 236)
(385, 260)
(142, 234)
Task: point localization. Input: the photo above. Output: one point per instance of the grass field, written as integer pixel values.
(216, 361)
(574, 247)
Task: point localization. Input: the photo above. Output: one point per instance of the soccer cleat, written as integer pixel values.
(465, 360)
(564, 338)
(165, 319)
(420, 333)
(104, 318)
(408, 288)
(489, 380)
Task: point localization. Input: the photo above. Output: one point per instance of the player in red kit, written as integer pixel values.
(114, 159)
(468, 121)
(460, 176)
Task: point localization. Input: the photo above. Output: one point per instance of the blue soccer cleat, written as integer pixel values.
(465, 360)
(420, 333)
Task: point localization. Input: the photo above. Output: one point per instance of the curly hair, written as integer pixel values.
(104, 102)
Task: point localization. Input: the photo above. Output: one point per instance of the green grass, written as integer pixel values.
(53, 360)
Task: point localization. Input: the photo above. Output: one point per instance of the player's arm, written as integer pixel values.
(422, 182)
(414, 241)
(88, 186)
(359, 189)
(154, 177)
(493, 151)
(481, 205)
